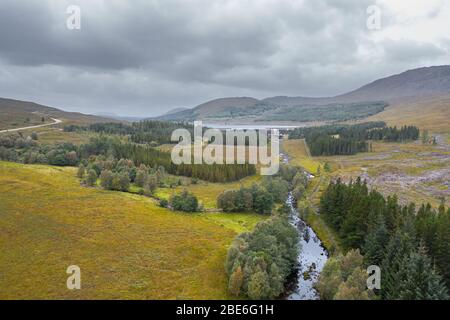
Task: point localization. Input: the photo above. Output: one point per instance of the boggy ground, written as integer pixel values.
(414, 171)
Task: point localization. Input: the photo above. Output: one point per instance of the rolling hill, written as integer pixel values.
(17, 114)
(415, 88)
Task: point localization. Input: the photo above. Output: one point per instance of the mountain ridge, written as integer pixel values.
(421, 83)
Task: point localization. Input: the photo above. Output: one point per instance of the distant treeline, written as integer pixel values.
(148, 131)
(411, 249)
(394, 134)
(331, 112)
(152, 157)
(350, 139)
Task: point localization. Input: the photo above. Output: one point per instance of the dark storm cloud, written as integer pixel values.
(145, 57)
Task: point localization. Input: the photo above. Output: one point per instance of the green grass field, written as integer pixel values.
(206, 192)
(299, 154)
(126, 246)
(11, 120)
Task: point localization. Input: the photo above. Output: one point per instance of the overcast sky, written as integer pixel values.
(146, 57)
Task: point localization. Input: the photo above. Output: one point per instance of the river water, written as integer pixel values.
(311, 259)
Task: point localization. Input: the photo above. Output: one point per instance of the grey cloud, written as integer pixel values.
(144, 57)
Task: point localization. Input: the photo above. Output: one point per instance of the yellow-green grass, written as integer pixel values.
(298, 151)
(54, 135)
(207, 193)
(426, 113)
(126, 246)
(57, 135)
(238, 222)
(447, 138)
(12, 120)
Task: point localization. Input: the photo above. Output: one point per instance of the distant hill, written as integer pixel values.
(16, 114)
(412, 85)
(175, 110)
(211, 109)
(421, 82)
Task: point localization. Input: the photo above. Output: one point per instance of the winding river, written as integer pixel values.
(311, 259)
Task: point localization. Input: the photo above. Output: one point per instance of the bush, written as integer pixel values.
(184, 201)
(259, 263)
(150, 185)
(106, 178)
(81, 171)
(91, 178)
(256, 199)
(163, 203)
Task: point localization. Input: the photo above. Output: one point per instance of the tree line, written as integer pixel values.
(351, 139)
(146, 132)
(394, 134)
(119, 175)
(26, 150)
(261, 198)
(411, 249)
(259, 262)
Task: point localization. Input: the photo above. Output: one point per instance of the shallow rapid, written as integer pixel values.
(311, 259)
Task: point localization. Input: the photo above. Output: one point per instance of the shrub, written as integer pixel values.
(184, 201)
(91, 178)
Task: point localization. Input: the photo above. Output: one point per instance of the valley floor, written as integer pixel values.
(126, 246)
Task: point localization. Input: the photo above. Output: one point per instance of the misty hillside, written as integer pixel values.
(211, 109)
(365, 101)
(422, 82)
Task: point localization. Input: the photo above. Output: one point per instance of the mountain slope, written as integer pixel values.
(16, 113)
(413, 85)
(213, 108)
(421, 82)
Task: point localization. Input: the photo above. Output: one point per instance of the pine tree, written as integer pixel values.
(420, 281)
(375, 245)
(398, 248)
(442, 247)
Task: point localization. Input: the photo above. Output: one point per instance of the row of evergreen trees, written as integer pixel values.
(411, 249)
(18, 149)
(351, 139)
(147, 132)
(394, 134)
(321, 145)
(151, 157)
